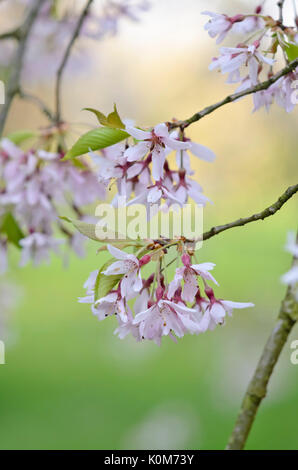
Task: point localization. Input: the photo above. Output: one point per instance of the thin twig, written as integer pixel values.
(16, 67)
(65, 58)
(39, 103)
(229, 99)
(259, 216)
(257, 388)
(13, 34)
(280, 5)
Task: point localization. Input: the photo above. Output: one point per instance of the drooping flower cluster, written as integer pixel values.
(53, 29)
(252, 60)
(142, 169)
(159, 309)
(291, 277)
(33, 184)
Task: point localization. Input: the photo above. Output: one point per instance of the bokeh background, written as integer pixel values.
(68, 382)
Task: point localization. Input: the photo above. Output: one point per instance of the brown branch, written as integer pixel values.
(271, 210)
(16, 67)
(65, 58)
(257, 388)
(229, 99)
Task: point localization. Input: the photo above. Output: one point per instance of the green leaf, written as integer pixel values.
(114, 119)
(89, 230)
(102, 119)
(291, 51)
(85, 229)
(19, 137)
(96, 139)
(11, 229)
(104, 284)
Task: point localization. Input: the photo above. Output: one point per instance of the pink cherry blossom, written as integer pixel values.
(216, 310)
(130, 266)
(233, 58)
(220, 25)
(163, 318)
(189, 274)
(157, 142)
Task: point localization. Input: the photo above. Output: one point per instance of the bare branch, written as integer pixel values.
(271, 210)
(257, 388)
(16, 67)
(66, 56)
(229, 99)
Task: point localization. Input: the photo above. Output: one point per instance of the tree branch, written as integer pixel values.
(257, 388)
(271, 210)
(16, 68)
(66, 57)
(230, 98)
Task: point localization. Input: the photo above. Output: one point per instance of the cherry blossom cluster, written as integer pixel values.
(33, 184)
(159, 309)
(252, 60)
(142, 168)
(291, 277)
(55, 25)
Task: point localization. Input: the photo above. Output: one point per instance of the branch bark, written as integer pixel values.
(257, 388)
(271, 210)
(65, 58)
(16, 67)
(230, 98)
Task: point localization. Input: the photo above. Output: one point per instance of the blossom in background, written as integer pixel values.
(291, 277)
(34, 184)
(54, 27)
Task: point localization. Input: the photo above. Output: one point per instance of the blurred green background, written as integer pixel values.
(69, 383)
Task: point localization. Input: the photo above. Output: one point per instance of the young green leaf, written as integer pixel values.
(114, 119)
(96, 139)
(19, 137)
(102, 119)
(291, 51)
(103, 283)
(11, 229)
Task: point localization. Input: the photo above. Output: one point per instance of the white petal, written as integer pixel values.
(138, 133)
(118, 254)
(202, 152)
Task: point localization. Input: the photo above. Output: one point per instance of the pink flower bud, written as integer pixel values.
(144, 260)
(258, 9)
(237, 18)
